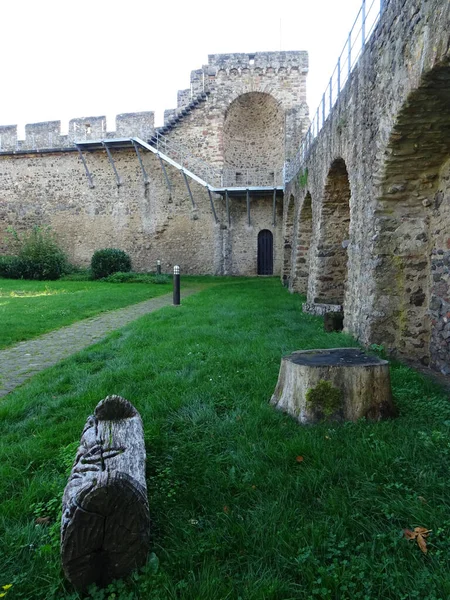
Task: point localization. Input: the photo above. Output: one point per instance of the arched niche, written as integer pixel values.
(412, 276)
(331, 256)
(303, 243)
(253, 140)
(288, 235)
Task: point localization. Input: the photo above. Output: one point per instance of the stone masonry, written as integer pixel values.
(242, 114)
(378, 179)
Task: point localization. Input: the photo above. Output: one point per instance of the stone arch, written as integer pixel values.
(253, 140)
(334, 226)
(412, 276)
(288, 243)
(304, 235)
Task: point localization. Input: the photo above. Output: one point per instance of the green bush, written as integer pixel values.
(131, 277)
(10, 266)
(108, 261)
(120, 277)
(37, 255)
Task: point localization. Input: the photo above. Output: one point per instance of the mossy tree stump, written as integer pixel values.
(341, 384)
(105, 521)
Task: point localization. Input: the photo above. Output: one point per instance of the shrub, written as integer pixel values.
(120, 277)
(37, 255)
(12, 267)
(108, 261)
(131, 277)
(79, 274)
(161, 278)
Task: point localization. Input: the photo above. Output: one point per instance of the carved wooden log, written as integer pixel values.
(341, 384)
(105, 523)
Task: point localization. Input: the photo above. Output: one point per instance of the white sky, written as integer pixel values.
(63, 59)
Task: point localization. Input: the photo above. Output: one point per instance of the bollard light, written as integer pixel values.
(176, 285)
(158, 267)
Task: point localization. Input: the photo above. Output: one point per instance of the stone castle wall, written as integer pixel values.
(47, 135)
(42, 178)
(277, 83)
(53, 189)
(390, 130)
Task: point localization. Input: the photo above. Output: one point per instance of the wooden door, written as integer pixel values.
(265, 252)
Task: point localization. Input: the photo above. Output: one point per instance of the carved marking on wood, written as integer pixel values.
(105, 523)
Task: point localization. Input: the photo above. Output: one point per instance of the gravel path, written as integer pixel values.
(24, 360)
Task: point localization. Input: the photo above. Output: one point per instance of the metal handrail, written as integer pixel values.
(181, 155)
(363, 27)
(226, 177)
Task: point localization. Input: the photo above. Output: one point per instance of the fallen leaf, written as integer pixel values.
(299, 459)
(422, 543)
(419, 534)
(226, 509)
(42, 521)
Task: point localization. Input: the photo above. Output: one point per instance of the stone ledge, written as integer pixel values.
(321, 309)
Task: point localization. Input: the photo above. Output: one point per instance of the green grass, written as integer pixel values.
(31, 308)
(234, 515)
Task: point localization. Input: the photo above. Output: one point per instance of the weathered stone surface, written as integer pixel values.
(314, 308)
(389, 133)
(342, 384)
(105, 522)
(242, 114)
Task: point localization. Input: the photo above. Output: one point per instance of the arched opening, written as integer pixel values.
(265, 252)
(331, 259)
(413, 234)
(288, 241)
(253, 141)
(304, 234)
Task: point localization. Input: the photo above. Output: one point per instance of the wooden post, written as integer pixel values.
(341, 384)
(105, 522)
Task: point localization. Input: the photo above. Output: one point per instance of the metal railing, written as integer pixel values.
(218, 178)
(183, 157)
(363, 27)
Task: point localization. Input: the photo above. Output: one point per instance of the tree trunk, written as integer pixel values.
(105, 521)
(342, 384)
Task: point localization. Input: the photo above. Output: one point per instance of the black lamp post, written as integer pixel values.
(176, 285)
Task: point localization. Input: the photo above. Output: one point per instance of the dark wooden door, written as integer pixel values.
(265, 252)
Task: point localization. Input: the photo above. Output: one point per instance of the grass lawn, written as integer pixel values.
(31, 308)
(234, 514)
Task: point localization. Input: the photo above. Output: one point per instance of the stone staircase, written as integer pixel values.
(181, 113)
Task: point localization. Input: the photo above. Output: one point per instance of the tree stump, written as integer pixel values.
(341, 384)
(105, 525)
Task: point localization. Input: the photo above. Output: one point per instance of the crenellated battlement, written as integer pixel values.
(46, 135)
(274, 61)
(220, 67)
(229, 66)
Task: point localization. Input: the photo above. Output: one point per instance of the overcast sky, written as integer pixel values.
(63, 59)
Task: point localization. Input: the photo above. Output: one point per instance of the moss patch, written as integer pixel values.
(324, 398)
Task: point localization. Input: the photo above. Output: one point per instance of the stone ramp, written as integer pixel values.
(19, 363)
